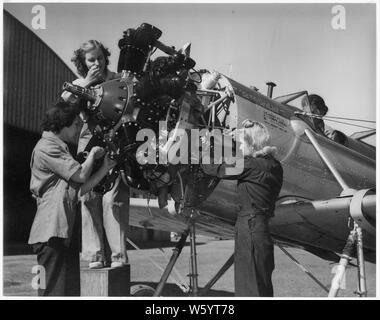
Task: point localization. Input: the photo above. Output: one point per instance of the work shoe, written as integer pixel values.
(96, 265)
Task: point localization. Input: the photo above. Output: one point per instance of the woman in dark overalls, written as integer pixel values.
(258, 186)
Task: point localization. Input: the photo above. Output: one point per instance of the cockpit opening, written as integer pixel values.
(312, 110)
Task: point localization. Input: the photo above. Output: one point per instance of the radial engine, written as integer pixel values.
(148, 111)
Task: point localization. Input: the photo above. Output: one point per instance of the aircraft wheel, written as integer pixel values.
(141, 290)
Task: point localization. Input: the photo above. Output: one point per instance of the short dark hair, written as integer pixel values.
(316, 101)
(319, 103)
(79, 55)
(59, 116)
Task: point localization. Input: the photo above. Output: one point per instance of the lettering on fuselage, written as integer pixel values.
(276, 121)
(257, 99)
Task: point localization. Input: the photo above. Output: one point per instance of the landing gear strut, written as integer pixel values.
(355, 237)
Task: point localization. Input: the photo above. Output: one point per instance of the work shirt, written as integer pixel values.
(52, 166)
(258, 185)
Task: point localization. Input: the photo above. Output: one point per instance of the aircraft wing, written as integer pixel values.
(320, 227)
(146, 214)
(323, 224)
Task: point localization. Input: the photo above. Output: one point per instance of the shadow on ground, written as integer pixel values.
(158, 244)
(172, 290)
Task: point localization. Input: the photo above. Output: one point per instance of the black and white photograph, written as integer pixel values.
(181, 150)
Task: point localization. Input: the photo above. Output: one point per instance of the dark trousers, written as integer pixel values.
(254, 257)
(61, 264)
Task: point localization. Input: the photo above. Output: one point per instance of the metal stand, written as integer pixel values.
(355, 239)
(193, 275)
(362, 290)
(173, 259)
(180, 283)
(302, 267)
(193, 256)
(218, 275)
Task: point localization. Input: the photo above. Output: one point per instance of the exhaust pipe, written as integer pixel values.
(270, 85)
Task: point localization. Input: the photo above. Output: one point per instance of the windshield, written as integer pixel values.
(300, 101)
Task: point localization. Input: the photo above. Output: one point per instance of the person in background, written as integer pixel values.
(258, 187)
(315, 105)
(55, 180)
(318, 107)
(99, 213)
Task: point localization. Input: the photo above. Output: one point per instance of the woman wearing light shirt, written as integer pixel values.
(98, 212)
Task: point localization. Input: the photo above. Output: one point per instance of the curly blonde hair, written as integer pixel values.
(80, 54)
(257, 137)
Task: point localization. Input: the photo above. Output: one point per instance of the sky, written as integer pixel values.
(293, 45)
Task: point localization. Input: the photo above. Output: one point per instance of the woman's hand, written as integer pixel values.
(97, 152)
(94, 74)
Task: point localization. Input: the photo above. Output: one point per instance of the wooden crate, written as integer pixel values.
(105, 282)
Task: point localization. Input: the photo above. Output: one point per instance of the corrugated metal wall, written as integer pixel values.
(33, 76)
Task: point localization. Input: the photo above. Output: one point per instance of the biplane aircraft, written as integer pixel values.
(327, 204)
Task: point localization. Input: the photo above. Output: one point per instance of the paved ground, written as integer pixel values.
(288, 279)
